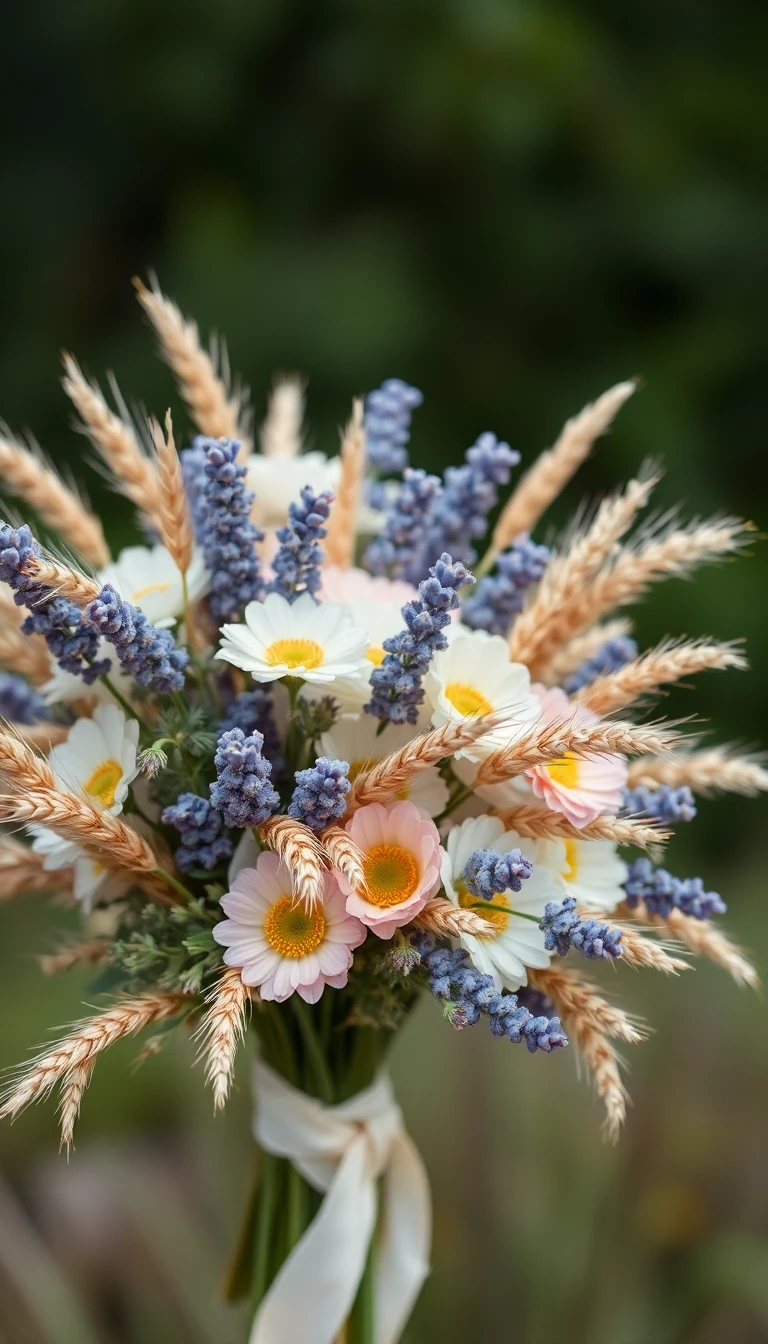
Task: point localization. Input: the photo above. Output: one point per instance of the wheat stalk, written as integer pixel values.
(78, 954)
(215, 410)
(22, 872)
(281, 430)
(538, 823)
(114, 439)
(637, 950)
(71, 1097)
(25, 654)
(706, 940)
(174, 522)
(578, 650)
(710, 770)
(27, 474)
(63, 579)
(345, 855)
(88, 1039)
(301, 851)
(537, 632)
(443, 917)
(589, 1020)
(342, 523)
(394, 773)
(671, 661)
(552, 741)
(553, 469)
(221, 1031)
(41, 736)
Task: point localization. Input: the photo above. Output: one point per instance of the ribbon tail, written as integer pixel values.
(402, 1253)
(313, 1292)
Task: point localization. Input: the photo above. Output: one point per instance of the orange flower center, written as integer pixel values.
(468, 901)
(291, 930)
(294, 653)
(564, 771)
(391, 875)
(376, 654)
(466, 699)
(103, 782)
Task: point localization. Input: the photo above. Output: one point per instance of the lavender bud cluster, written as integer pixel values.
(148, 655)
(489, 873)
(663, 893)
(20, 702)
(320, 796)
(397, 550)
(226, 532)
(460, 513)
(297, 563)
(615, 653)
(396, 684)
(666, 804)
(564, 929)
(253, 711)
(470, 995)
(73, 643)
(388, 412)
(499, 597)
(243, 791)
(204, 842)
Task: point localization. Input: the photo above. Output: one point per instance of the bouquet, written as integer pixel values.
(329, 743)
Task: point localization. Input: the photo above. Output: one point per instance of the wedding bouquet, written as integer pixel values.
(328, 744)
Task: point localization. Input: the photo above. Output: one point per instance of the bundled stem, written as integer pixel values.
(281, 430)
(711, 770)
(342, 523)
(221, 1031)
(204, 385)
(551, 742)
(671, 661)
(553, 469)
(115, 440)
(60, 508)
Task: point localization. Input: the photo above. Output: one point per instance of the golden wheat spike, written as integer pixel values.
(27, 474)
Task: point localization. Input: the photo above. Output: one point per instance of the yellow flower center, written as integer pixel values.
(468, 901)
(294, 653)
(103, 782)
(391, 875)
(565, 771)
(150, 588)
(376, 654)
(291, 930)
(572, 859)
(466, 699)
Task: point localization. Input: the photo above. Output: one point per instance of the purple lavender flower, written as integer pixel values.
(666, 804)
(397, 550)
(460, 514)
(489, 873)
(615, 653)
(397, 688)
(388, 412)
(297, 563)
(663, 893)
(564, 929)
(73, 643)
(148, 655)
(243, 791)
(254, 710)
(226, 532)
(320, 796)
(204, 842)
(469, 995)
(20, 702)
(499, 597)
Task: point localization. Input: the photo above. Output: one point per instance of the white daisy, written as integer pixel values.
(519, 943)
(148, 578)
(98, 759)
(277, 482)
(64, 687)
(315, 642)
(474, 676)
(379, 620)
(358, 742)
(594, 874)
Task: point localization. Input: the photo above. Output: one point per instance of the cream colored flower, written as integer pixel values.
(277, 638)
(472, 676)
(359, 742)
(148, 578)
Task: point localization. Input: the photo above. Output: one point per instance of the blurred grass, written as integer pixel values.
(511, 205)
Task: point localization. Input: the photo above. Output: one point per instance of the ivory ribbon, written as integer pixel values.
(343, 1150)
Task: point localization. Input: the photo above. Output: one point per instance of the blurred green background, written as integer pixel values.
(511, 205)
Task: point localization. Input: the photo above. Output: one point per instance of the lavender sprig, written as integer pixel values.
(148, 655)
(388, 412)
(499, 597)
(226, 533)
(666, 804)
(243, 791)
(397, 550)
(297, 563)
(204, 842)
(615, 653)
(397, 683)
(20, 702)
(460, 513)
(489, 873)
(320, 796)
(564, 929)
(663, 893)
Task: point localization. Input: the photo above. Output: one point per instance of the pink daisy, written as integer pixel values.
(402, 865)
(279, 945)
(356, 585)
(581, 787)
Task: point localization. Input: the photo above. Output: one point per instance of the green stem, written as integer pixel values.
(174, 882)
(285, 1050)
(361, 1321)
(296, 1206)
(503, 910)
(124, 704)
(264, 1227)
(459, 797)
(315, 1054)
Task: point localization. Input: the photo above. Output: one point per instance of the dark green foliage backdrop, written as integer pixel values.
(512, 205)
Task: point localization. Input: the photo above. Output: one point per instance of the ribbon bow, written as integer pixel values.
(343, 1150)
